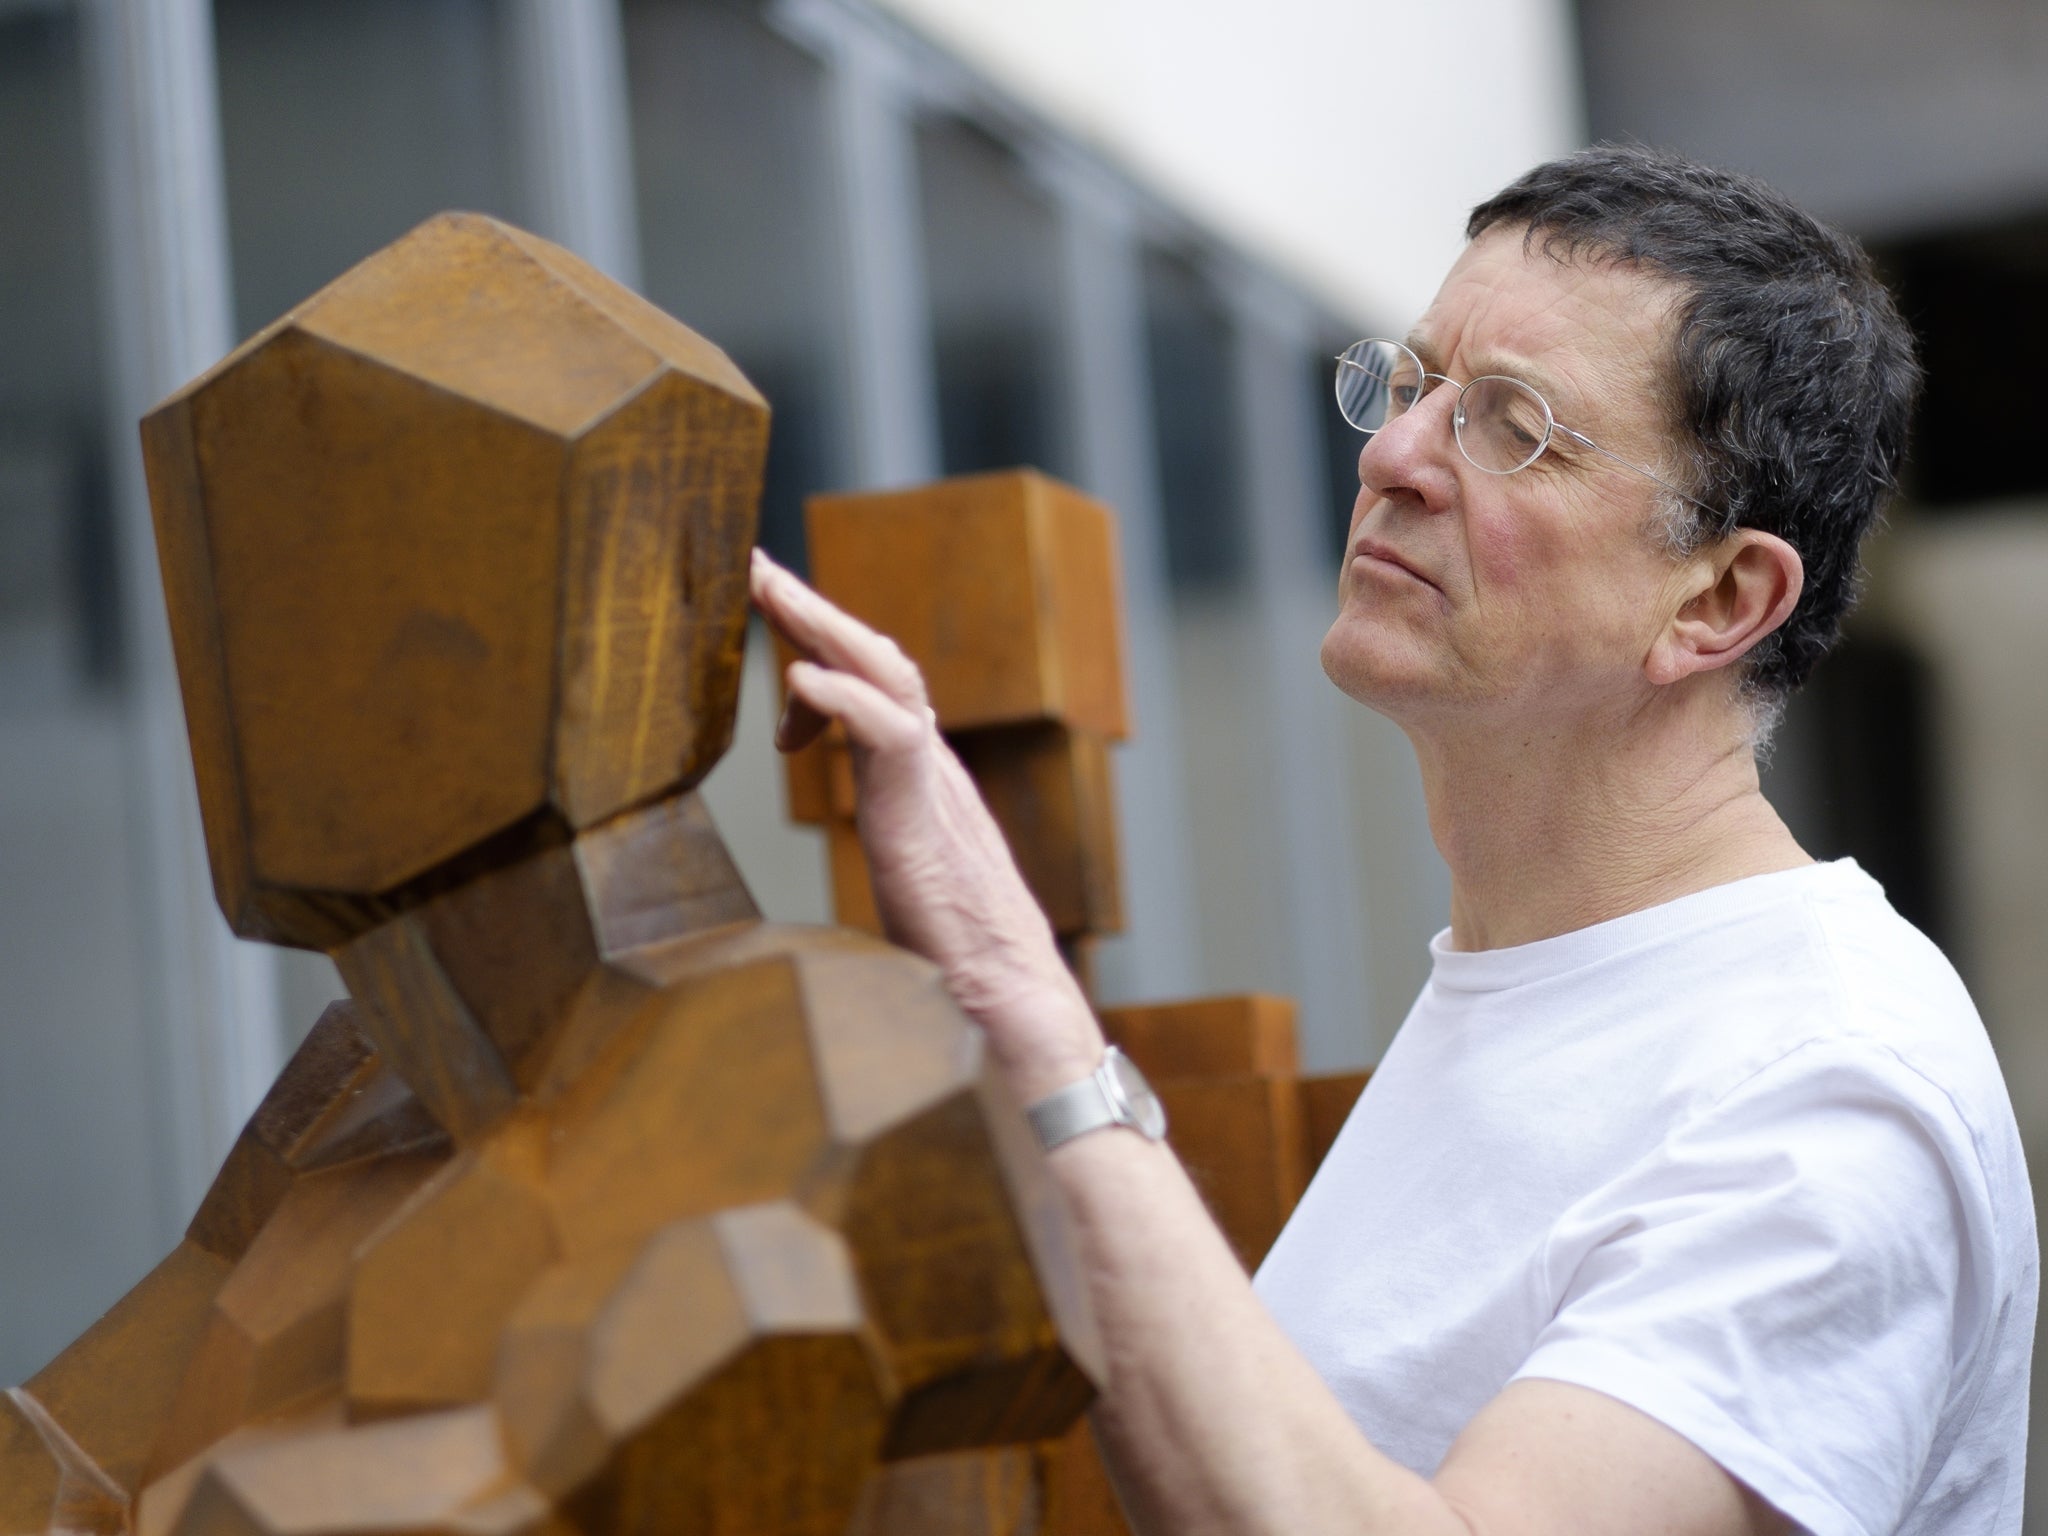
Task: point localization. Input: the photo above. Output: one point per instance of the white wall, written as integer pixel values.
(1341, 140)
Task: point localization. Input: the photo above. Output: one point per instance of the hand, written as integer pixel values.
(944, 881)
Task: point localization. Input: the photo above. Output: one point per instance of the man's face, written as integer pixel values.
(1537, 591)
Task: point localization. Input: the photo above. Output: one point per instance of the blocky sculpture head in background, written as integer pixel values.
(468, 640)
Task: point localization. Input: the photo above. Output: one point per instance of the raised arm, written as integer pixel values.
(1212, 1420)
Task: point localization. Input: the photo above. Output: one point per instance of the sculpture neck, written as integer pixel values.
(504, 986)
(657, 874)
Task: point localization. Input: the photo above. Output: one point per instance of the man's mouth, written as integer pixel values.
(1384, 555)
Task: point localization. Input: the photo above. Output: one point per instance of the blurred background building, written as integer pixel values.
(1118, 239)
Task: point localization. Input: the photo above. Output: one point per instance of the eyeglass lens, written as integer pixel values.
(1369, 374)
(1501, 424)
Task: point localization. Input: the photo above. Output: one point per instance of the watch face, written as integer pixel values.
(1141, 1103)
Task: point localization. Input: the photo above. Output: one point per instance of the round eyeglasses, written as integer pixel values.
(1500, 423)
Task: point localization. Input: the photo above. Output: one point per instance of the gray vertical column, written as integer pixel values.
(214, 1038)
(891, 395)
(1276, 403)
(575, 131)
(1108, 397)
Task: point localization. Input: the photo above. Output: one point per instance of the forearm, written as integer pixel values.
(1211, 1420)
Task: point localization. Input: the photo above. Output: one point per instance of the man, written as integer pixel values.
(1688, 1198)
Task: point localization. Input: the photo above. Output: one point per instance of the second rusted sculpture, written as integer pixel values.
(1003, 588)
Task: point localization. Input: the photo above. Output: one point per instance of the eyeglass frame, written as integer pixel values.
(1551, 424)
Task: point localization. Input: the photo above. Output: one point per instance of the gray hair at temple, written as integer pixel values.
(1792, 377)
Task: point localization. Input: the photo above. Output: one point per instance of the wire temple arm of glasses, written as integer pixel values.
(1586, 442)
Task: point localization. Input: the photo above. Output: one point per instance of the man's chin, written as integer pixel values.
(1369, 675)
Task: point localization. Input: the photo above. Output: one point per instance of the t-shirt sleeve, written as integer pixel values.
(1794, 1281)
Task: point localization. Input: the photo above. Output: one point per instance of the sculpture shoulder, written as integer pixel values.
(89, 1423)
(336, 1102)
(881, 1033)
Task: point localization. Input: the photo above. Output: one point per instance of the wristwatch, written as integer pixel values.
(1115, 1093)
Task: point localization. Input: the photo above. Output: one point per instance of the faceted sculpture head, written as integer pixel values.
(455, 558)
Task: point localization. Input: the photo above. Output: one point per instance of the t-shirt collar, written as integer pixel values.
(1496, 970)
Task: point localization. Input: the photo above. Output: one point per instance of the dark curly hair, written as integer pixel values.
(1792, 377)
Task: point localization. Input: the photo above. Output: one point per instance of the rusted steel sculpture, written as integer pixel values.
(603, 1206)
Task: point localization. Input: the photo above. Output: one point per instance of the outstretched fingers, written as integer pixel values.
(834, 638)
(873, 718)
(944, 879)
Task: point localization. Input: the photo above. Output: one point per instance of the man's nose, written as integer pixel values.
(1414, 451)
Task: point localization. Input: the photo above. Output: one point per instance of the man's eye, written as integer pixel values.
(1522, 426)
(1404, 395)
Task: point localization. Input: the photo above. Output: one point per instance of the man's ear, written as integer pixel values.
(1732, 595)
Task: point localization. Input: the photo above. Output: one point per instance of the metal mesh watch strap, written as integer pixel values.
(1115, 1093)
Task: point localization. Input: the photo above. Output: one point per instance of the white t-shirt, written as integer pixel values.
(1743, 1161)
